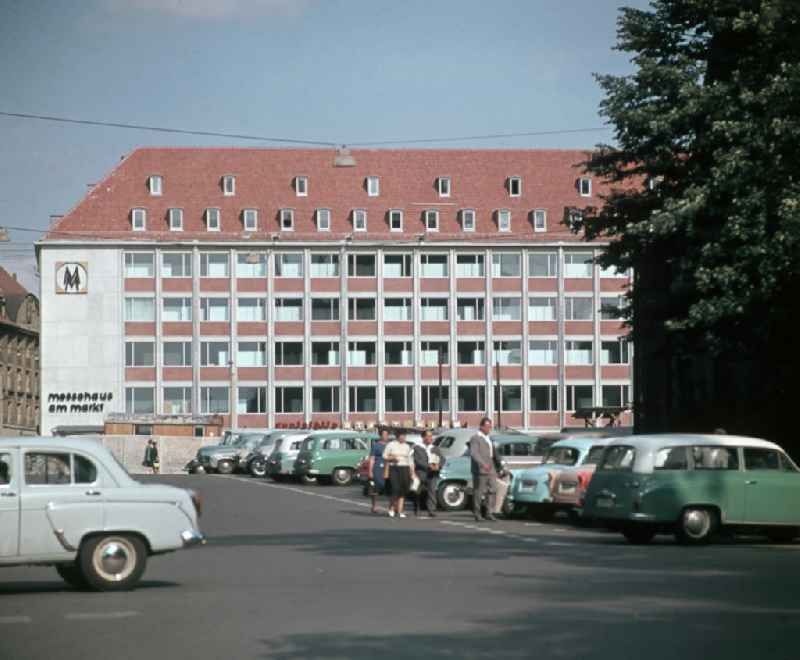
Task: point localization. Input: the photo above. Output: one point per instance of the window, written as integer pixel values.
(176, 264)
(542, 352)
(301, 186)
(324, 265)
(253, 264)
(399, 398)
(469, 265)
(288, 399)
(361, 353)
(252, 400)
(138, 264)
(614, 352)
(619, 457)
(395, 220)
(511, 398)
(288, 353)
(579, 396)
(373, 186)
(85, 470)
(288, 309)
(578, 264)
(471, 398)
(47, 469)
(432, 352)
(714, 458)
(324, 309)
(140, 309)
(397, 265)
(471, 352)
(139, 219)
(615, 396)
(359, 220)
(507, 309)
(155, 185)
(361, 265)
(431, 401)
(506, 265)
(504, 220)
(468, 219)
(578, 352)
(250, 219)
(470, 309)
(543, 264)
(287, 219)
(443, 185)
(672, 458)
(251, 354)
(229, 185)
(585, 186)
(361, 309)
(434, 265)
(397, 309)
(212, 219)
(214, 400)
(214, 309)
(325, 353)
(177, 309)
(178, 354)
(540, 220)
(611, 271)
(177, 400)
(507, 352)
(139, 400)
(577, 309)
(214, 264)
(214, 354)
(612, 308)
(544, 398)
(139, 354)
(323, 219)
(514, 186)
(434, 309)
(431, 217)
(325, 399)
(398, 353)
(362, 399)
(289, 264)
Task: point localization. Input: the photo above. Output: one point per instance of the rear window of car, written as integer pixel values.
(562, 456)
(618, 457)
(594, 455)
(5, 469)
(444, 441)
(672, 458)
(543, 444)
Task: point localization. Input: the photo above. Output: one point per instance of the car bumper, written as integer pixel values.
(192, 537)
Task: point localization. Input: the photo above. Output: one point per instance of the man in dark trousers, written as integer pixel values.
(428, 462)
(481, 452)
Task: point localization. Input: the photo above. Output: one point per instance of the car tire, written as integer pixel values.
(783, 534)
(258, 469)
(452, 496)
(342, 477)
(308, 479)
(198, 470)
(225, 467)
(508, 508)
(71, 574)
(697, 526)
(638, 534)
(112, 562)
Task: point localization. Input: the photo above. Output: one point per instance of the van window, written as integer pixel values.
(594, 455)
(308, 444)
(756, 458)
(523, 448)
(333, 443)
(672, 458)
(294, 445)
(618, 457)
(715, 458)
(562, 456)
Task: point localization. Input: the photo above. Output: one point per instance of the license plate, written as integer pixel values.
(567, 490)
(604, 503)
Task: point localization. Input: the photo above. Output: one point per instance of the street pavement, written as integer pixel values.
(297, 572)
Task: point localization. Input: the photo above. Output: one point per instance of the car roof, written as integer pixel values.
(582, 442)
(658, 440)
(67, 443)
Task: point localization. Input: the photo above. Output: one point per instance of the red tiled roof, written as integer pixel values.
(265, 181)
(13, 292)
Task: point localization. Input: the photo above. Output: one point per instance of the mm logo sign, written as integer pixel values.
(72, 277)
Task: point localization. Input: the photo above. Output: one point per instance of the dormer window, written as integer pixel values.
(139, 219)
(432, 220)
(323, 219)
(359, 220)
(154, 184)
(229, 185)
(504, 220)
(176, 219)
(212, 220)
(540, 220)
(585, 186)
(301, 186)
(468, 219)
(395, 220)
(287, 219)
(373, 186)
(250, 219)
(514, 186)
(443, 185)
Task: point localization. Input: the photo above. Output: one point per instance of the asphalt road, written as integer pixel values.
(295, 572)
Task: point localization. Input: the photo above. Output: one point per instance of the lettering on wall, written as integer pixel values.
(72, 277)
(78, 402)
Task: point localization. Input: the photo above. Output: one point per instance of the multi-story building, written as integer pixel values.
(282, 286)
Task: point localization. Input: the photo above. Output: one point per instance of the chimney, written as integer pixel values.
(344, 158)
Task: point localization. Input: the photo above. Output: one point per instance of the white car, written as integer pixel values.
(68, 503)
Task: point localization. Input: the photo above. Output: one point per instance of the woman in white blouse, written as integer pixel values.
(398, 455)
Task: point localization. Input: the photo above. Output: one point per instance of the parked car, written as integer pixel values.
(693, 486)
(68, 503)
(280, 463)
(332, 457)
(569, 486)
(255, 463)
(226, 459)
(195, 466)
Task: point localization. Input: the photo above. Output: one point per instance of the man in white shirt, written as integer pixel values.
(481, 451)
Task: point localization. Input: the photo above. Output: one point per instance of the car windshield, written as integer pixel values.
(562, 456)
(594, 455)
(229, 438)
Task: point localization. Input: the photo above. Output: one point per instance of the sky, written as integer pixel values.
(342, 71)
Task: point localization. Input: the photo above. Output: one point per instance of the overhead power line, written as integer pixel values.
(490, 136)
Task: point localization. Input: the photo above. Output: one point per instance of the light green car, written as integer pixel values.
(693, 486)
(333, 457)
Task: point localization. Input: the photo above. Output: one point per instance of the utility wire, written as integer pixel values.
(491, 136)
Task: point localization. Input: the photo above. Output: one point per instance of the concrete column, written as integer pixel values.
(307, 398)
(158, 352)
(380, 340)
(598, 397)
(270, 339)
(526, 372)
(343, 307)
(233, 396)
(489, 348)
(196, 408)
(453, 315)
(415, 343)
(562, 390)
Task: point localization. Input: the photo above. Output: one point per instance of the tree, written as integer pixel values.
(705, 207)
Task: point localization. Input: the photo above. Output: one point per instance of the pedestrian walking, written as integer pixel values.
(375, 467)
(151, 456)
(428, 463)
(481, 452)
(398, 456)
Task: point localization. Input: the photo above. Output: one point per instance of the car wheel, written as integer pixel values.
(342, 477)
(638, 535)
(225, 467)
(508, 508)
(308, 479)
(112, 562)
(452, 496)
(71, 574)
(697, 526)
(782, 534)
(199, 470)
(258, 468)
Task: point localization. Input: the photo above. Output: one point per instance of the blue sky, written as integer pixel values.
(333, 70)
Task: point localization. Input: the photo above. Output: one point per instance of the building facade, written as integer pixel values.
(278, 286)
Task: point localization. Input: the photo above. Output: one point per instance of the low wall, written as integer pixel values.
(174, 452)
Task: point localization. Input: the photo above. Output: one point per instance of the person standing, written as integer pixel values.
(398, 456)
(151, 456)
(481, 452)
(428, 462)
(377, 484)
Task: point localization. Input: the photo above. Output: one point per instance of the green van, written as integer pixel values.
(693, 486)
(333, 457)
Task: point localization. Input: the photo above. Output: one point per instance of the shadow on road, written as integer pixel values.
(58, 586)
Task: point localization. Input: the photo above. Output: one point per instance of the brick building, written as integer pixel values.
(277, 286)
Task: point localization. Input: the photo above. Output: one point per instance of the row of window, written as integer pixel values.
(292, 264)
(364, 353)
(216, 399)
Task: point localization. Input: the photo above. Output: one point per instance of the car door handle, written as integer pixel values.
(93, 492)
(8, 494)
(752, 482)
